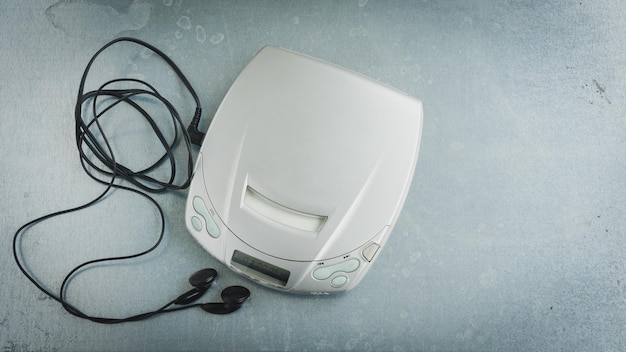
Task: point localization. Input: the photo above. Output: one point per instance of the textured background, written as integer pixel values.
(512, 237)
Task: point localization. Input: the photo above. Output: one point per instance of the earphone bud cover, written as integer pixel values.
(203, 277)
(233, 298)
(235, 295)
(201, 280)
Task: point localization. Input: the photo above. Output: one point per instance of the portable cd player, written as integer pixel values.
(303, 173)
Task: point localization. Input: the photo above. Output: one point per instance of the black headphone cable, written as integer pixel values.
(89, 145)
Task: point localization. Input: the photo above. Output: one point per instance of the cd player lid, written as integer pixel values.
(307, 161)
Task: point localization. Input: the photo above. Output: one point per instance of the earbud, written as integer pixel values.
(201, 280)
(233, 298)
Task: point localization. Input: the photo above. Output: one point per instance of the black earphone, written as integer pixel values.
(233, 298)
(201, 280)
(99, 162)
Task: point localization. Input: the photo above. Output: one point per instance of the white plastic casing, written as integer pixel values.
(303, 173)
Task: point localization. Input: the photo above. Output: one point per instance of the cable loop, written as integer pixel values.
(94, 147)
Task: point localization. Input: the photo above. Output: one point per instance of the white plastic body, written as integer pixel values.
(305, 166)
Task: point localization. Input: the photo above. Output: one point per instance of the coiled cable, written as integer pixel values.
(99, 162)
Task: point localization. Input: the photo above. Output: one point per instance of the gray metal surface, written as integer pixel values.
(512, 237)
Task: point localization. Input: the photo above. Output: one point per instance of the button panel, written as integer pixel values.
(339, 281)
(369, 252)
(196, 223)
(347, 266)
(200, 207)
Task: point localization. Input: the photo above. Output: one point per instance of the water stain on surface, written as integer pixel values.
(200, 34)
(217, 38)
(98, 19)
(358, 32)
(184, 22)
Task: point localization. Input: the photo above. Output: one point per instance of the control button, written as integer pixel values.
(196, 223)
(211, 226)
(339, 281)
(370, 251)
(325, 272)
